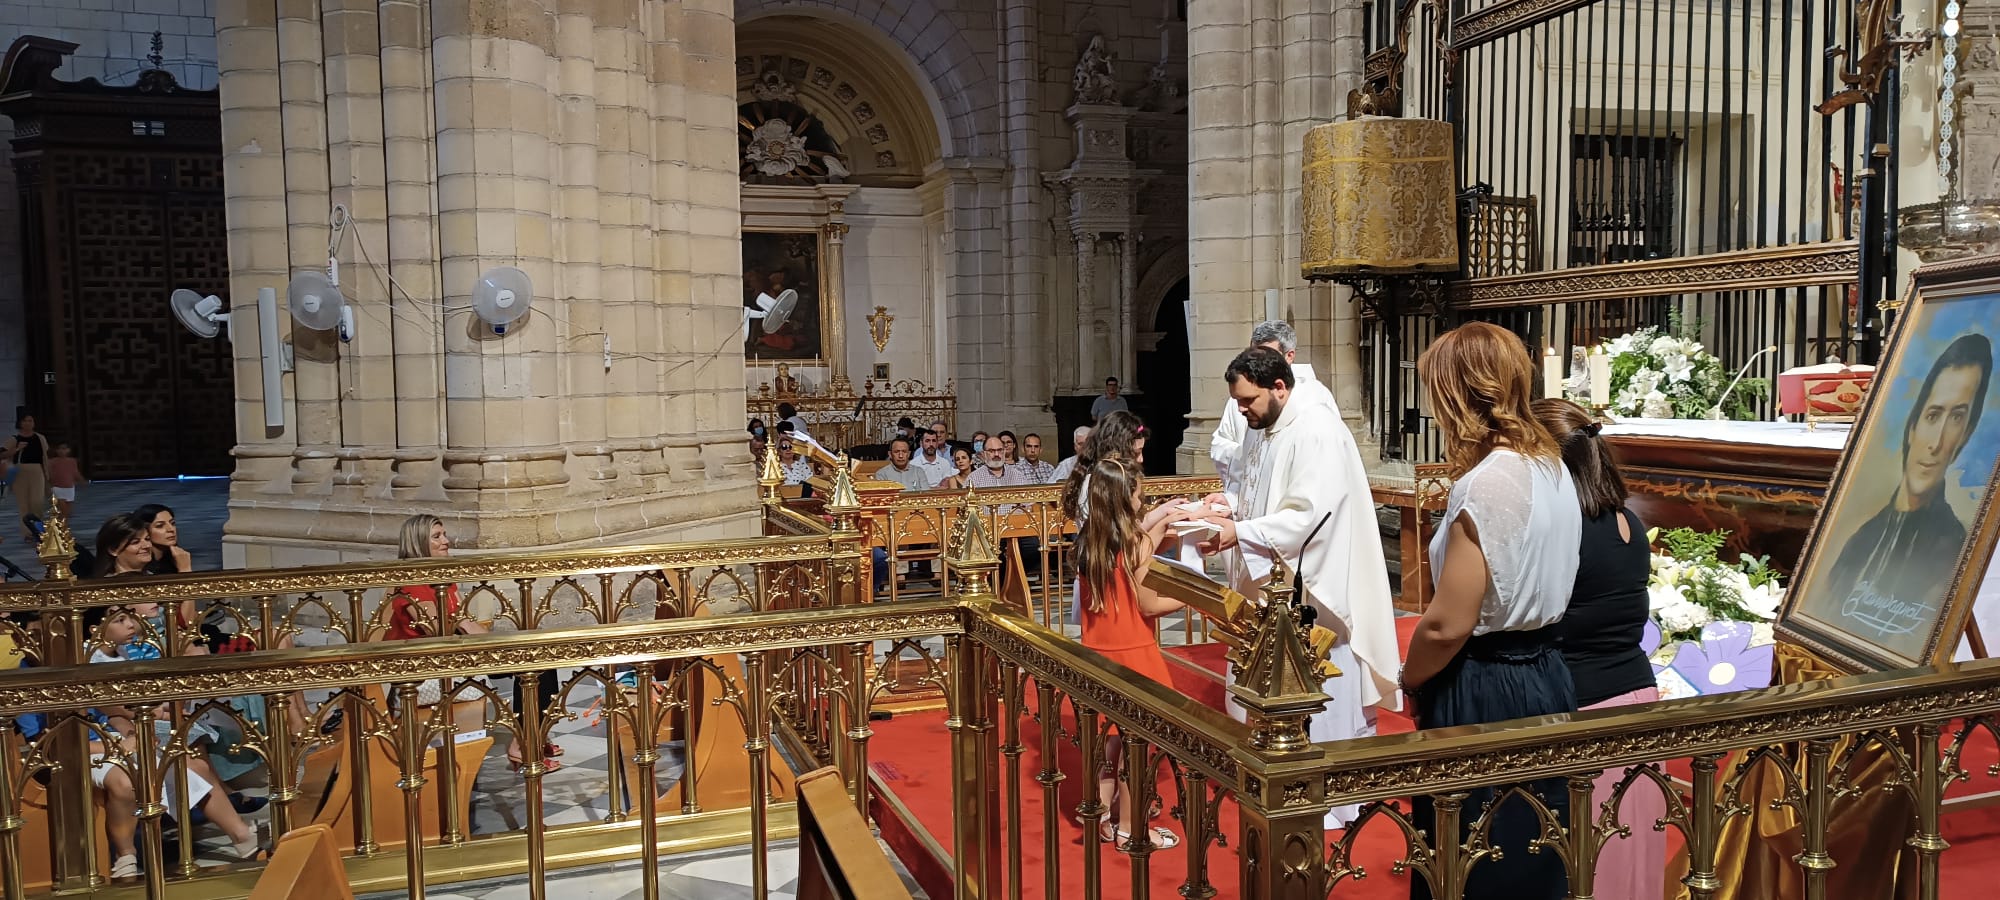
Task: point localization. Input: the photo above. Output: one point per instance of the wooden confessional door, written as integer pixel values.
(122, 202)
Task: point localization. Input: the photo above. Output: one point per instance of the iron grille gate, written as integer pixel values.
(1630, 162)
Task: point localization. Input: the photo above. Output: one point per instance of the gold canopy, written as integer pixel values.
(1378, 196)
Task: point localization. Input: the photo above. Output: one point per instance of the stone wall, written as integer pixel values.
(113, 39)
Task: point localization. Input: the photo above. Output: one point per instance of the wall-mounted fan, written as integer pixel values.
(502, 297)
(202, 315)
(774, 311)
(316, 303)
(206, 317)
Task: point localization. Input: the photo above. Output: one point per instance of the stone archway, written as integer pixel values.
(953, 80)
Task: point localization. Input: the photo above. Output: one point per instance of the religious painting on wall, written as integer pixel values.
(1891, 566)
(781, 296)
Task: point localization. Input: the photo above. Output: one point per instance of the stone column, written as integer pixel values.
(1259, 82)
(1086, 311)
(976, 284)
(1128, 330)
(415, 326)
(1029, 382)
(253, 141)
(1222, 279)
(594, 148)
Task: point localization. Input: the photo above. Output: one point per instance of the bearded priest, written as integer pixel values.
(1224, 445)
(1303, 497)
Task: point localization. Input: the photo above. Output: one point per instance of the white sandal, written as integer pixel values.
(1121, 839)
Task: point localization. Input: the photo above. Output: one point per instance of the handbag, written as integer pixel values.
(430, 692)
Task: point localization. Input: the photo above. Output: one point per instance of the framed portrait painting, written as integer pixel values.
(781, 281)
(1899, 551)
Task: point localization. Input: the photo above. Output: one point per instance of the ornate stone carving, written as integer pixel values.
(773, 86)
(774, 149)
(1093, 81)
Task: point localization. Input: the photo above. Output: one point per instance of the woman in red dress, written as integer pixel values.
(1113, 545)
(415, 612)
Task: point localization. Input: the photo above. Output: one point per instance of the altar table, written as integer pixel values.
(1762, 481)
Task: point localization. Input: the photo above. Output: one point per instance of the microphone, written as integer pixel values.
(1715, 412)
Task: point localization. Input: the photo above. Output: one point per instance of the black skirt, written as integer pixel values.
(1496, 677)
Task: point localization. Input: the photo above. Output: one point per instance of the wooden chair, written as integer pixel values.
(305, 865)
(838, 856)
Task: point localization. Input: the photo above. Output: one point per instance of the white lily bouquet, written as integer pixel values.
(1669, 375)
(1691, 587)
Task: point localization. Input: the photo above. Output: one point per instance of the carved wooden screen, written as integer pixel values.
(122, 202)
(153, 399)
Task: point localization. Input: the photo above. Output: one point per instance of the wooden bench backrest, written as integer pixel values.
(305, 865)
(839, 858)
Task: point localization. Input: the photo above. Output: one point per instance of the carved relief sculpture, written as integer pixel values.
(1094, 83)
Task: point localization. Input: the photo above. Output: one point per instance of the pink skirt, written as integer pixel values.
(1633, 867)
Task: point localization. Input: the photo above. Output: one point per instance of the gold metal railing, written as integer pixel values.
(1838, 778)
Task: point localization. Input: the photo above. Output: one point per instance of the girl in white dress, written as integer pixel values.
(1505, 558)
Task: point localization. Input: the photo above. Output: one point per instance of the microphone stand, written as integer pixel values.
(1715, 412)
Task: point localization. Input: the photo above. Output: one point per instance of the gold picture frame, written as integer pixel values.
(1893, 562)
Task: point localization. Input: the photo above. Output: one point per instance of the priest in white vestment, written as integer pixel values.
(1228, 438)
(1298, 466)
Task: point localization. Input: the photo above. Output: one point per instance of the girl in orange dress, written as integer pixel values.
(1114, 542)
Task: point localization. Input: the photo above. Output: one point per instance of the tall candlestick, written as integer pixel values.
(1552, 378)
(1600, 378)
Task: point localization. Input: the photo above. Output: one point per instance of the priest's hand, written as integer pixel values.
(1217, 501)
(1222, 540)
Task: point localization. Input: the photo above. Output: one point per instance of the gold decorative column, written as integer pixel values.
(1282, 788)
(833, 310)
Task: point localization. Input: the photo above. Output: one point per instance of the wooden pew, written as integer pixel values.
(36, 837)
(305, 865)
(718, 761)
(839, 858)
(336, 804)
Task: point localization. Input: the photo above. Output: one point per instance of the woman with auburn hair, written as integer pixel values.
(1504, 560)
(1601, 632)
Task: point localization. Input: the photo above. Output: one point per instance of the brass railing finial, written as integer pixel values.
(771, 476)
(843, 504)
(1277, 678)
(58, 547)
(970, 551)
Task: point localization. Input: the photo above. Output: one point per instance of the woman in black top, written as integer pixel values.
(1600, 634)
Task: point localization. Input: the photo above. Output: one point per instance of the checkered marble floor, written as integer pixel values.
(716, 875)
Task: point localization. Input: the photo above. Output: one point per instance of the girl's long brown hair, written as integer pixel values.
(1479, 380)
(1112, 436)
(1600, 488)
(1111, 528)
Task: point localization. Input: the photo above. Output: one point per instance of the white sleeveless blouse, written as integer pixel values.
(1531, 528)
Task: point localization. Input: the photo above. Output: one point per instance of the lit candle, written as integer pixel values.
(1600, 378)
(1552, 377)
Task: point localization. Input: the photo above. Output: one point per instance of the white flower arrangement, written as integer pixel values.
(1691, 586)
(1669, 375)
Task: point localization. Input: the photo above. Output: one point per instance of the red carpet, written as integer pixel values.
(910, 757)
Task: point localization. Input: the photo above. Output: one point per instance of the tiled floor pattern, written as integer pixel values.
(200, 505)
(718, 875)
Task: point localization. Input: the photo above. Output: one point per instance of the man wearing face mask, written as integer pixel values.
(1902, 557)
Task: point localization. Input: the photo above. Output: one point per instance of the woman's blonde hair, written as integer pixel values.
(1112, 528)
(415, 542)
(1479, 380)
